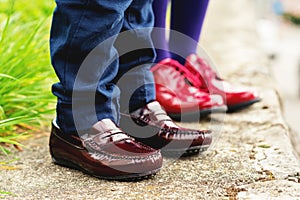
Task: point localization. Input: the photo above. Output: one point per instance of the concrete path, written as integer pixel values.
(251, 158)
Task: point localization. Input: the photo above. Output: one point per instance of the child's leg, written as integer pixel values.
(159, 35)
(187, 17)
(82, 65)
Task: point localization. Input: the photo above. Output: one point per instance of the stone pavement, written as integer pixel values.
(252, 156)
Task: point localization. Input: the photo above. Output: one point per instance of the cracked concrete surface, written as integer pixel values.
(251, 156)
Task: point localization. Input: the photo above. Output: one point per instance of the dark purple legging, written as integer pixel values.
(187, 17)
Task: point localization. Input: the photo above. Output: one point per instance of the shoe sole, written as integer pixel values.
(196, 116)
(243, 105)
(184, 152)
(130, 177)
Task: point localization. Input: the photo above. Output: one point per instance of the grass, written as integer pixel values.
(26, 75)
(4, 194)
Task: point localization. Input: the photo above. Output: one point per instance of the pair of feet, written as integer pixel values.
(196, 89)
(108, 151)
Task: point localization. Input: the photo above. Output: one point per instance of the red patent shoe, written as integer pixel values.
(206, 79)
(178, 97)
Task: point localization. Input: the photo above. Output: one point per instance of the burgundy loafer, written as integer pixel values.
(181, 100)
(206, 79)
(152, 126)
(109, 155)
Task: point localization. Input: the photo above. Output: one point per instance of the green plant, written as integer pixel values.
(295, 19)
(4, 194)
(25, 73)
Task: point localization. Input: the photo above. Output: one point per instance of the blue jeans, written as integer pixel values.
(101, 51)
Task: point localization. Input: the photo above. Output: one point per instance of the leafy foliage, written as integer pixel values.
(25, 71)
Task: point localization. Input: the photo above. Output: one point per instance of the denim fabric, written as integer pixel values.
(97, 74)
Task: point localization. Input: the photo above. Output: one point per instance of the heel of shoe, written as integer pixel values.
(64, 163)
(54, 141)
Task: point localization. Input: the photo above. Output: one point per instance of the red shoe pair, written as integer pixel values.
(196, 89)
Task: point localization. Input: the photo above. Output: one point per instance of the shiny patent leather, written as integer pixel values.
(177, 96)
(109, 155)
(150, 126)
(206, 79)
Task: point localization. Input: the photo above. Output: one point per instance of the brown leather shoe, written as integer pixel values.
(152, 126)
(109, 155)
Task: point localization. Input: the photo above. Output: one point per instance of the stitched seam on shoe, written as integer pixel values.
(112, 156)
(103, 152)
(183, 132)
